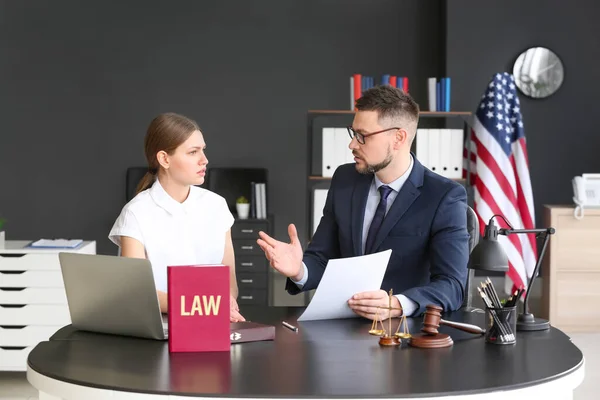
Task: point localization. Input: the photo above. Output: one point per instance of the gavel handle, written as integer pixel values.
(463, 327)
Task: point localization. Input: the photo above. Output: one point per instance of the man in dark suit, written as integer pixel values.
(386, 200)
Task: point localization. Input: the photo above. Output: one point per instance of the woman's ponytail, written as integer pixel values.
(146, 182)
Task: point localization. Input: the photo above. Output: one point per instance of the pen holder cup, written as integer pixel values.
(501, 325)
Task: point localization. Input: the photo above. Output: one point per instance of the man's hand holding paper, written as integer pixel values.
(366, 305)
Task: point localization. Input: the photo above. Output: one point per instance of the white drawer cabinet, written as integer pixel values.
(33, 304)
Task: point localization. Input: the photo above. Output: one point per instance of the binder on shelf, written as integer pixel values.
(335, 150)
(431, 93)
(319, 198)
(253, 200)
(263, 188)
(456, 153)
(445, 152)
(423, 147)
(434, 150)
(260, 199)
(328, 152)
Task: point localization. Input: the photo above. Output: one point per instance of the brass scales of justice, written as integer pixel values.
(387, 338)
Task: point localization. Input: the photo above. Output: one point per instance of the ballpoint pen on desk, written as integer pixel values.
(290, 327)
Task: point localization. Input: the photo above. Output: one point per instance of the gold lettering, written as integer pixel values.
(197, 306)
(183, 312)
(211, 304)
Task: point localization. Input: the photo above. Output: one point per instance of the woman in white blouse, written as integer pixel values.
(170, 221)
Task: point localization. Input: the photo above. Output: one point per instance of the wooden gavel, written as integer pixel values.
(433, 319)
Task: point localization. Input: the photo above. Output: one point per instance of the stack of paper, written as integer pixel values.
(343, 278)
(56, 243)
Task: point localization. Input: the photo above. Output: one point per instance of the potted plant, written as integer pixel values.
(243, 207)
(2, 233)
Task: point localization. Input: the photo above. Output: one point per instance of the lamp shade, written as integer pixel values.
(489, 255)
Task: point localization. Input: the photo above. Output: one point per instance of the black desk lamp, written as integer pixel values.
(489, 255)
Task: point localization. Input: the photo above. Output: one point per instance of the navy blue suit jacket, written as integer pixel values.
(426, 228)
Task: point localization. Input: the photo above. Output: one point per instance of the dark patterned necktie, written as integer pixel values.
(384, 192)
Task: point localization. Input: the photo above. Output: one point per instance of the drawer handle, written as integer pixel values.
(13, 326)
(12, 305)
(12, 272)
(15, 255)
(247, 280)
(12, 348)
(247, 247)
(247, 230)
(247, 297)
(12, 289)
(247, 264)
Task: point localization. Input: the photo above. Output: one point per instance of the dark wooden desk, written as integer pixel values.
(325, 359)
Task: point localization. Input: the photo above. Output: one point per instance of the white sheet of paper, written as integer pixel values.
(343, 278)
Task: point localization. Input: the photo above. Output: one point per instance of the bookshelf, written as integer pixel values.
(319, 119)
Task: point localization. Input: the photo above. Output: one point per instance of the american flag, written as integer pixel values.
(500, 174)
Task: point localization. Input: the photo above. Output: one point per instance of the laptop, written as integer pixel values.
(111, 294)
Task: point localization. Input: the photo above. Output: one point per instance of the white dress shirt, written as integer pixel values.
(408, 306)
(174, 233)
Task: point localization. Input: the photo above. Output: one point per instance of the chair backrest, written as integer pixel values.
(473, 229)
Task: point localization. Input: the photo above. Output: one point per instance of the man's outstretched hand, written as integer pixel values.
(284, 257)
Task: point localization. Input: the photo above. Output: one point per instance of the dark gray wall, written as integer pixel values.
(486, 37)
(80, 81)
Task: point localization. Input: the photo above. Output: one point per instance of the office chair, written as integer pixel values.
(473, 229)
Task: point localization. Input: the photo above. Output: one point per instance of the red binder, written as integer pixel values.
(198, 301)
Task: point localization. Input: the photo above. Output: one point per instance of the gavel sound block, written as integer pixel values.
(431, 339)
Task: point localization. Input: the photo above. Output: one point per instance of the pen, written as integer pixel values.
(290, 327)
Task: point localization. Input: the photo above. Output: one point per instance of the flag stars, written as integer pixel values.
(499, 106)
(513, 120)
(499, 86)
(499, 96)
(490, 104)
(490, 94)
(512, 86)
(520, 124)
(499, 116)
(504, 81)
(499, 126)
(510, 96)
(507, 138)
(516, 110)
(482, 106)
(490, 114)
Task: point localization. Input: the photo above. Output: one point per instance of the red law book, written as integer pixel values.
(198, 300)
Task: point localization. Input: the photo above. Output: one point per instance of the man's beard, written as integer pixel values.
(373, 168)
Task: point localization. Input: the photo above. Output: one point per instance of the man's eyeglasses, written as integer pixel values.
(360, 137)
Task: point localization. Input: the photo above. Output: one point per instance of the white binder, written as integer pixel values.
(456, 153)
(434, 150)
(423, 147)
(342, 152)
(328, 152)
(445, 152)
(319, 197)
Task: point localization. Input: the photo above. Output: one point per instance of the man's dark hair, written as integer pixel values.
(390, 103)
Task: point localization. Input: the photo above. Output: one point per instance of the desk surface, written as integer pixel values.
(325, 359)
